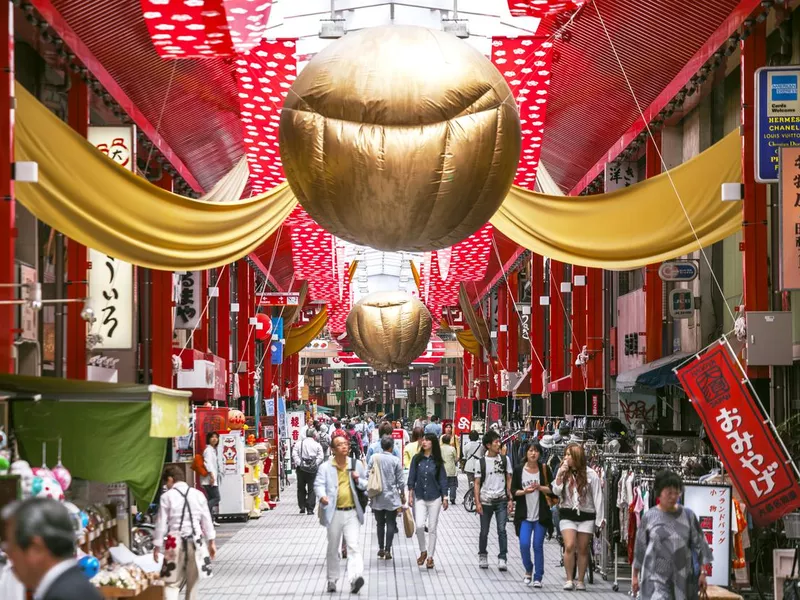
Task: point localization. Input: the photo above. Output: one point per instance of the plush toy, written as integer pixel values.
(46, 487)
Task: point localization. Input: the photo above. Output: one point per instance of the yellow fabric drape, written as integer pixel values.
(476, 322)
(634, 226)
(299, 337)
(91, 199)
(465, 338)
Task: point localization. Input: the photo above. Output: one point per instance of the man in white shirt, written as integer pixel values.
(307, 456)
(184, 516)
(40, 542)
(493, 497)
(210, 482)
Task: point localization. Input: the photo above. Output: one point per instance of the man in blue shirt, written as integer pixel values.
(434, 427)
(375, 448)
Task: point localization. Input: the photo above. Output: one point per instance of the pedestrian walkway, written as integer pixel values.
(282, 555)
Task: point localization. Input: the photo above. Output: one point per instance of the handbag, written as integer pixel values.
(176, 551)
(408, 522)
(791, 586)
(307, 464)
(363, 499)
(375, 481)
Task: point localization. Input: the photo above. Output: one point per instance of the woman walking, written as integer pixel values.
(411, 449)
(427, 487)
(530, 486)
(663, 567)
(581, 510)
(388, 503)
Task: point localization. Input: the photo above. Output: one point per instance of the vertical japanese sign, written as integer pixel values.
(619, 175)
(712, 506)
(759, 467)
(494, 412)
(296, 421)
(462, 421)
(397, 436)
(110, 279)
(187, 300)
(789, 218)
(276, 345)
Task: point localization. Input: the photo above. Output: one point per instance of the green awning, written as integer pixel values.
(110, 432)
(324, 410)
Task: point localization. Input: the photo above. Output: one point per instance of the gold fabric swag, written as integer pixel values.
(91, 199)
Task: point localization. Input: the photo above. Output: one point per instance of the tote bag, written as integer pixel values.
(375, 481)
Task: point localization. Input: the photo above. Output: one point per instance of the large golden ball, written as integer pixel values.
(400, 138)
(388, 330)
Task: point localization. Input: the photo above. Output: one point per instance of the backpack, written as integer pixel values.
(355, 445)
(307, 464)
(325, 442)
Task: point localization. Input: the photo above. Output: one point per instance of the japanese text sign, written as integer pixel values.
(712, 506)
(463, 416)
(777, 114)
(111, 298)
(188, 300)
(758, 466)
(789, 218)
(297, 421)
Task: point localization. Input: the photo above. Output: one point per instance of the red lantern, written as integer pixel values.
(266, 327)
(235, 419)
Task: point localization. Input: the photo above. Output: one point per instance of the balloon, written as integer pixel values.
(388, 330)
(4, 464)
(46, 487)
(235, 419)
(266, 329)
(89, 565)
(84, 519)
(63, 476)
(400, 138)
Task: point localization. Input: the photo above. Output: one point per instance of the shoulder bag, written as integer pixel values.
(363, 498)
(375, 481)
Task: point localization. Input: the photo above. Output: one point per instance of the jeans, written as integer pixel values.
(427, 513)
(387, 524)
(528, 530)
(306, 499)
(500, 510)
(452, 485)
(345, 523)
(212, 493)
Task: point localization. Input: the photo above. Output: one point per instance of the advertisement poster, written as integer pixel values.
(397, 436)
(777, 114)
(462, 422)
(714, 510)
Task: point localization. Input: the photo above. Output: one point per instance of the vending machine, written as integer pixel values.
(231, 484)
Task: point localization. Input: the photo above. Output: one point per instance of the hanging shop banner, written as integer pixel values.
(463, 416)
(397, 436)
(759, 467)
(712, 504)
(283, 418)
(187, 300)
(296, 422)
(277, 341)
(207, 420)
(494, 412)
(111, 298)
(777, 114)
(28, 327)
(789, 240)
(279, 299)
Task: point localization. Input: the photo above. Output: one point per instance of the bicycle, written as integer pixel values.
(469, 500)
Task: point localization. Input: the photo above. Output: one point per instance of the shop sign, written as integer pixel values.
(276, 345)
(712, 506)
(619, 175)
(111, 298)
(28, 316)
(681, 304)
(397, 436)
(777, 114)
(463, 416)
(401, 394)
(758, 465)
(494, 412)
(789, 231)
(683, 270)
(297, 420)
(187, 301)
(279, 299)
(117, 143)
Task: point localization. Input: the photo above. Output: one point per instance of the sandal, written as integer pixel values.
(421, 559)
(429, 563)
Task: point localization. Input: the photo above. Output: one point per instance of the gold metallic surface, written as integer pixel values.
(400, 138)
(388, 330)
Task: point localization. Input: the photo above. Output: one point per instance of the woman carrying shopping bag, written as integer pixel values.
(387, 502)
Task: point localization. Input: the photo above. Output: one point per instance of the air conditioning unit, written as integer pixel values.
(458, 27)
(331, 29)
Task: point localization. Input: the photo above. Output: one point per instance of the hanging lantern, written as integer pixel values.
(266, 327)
(421, 138)
(388, 330)
(235, 419)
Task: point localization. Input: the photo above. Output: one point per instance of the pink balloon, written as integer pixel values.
(42, 472)
(63, 476)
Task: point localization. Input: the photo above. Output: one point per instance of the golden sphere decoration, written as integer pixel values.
(400, 138)
(388, 330)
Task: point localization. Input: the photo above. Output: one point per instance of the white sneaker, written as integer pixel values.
(569, 586)
(527, 580)
(537, 584)
(483, 561)
(580, 586)
(502, 564)
(331, 586)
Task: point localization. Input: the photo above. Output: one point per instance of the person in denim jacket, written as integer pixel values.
(427, 487)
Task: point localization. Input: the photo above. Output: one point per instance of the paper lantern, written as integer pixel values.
(388, 330)
(400, 138)
(266, 327)
(235, 419)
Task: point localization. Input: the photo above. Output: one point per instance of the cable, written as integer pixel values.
(161, 116)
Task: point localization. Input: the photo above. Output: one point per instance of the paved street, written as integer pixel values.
(282, 555)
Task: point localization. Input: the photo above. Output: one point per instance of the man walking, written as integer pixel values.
(493, 497)
(375, 448)
(307, 456)
(40, 542)
(434, 427)
(337, 485)
(210, 482)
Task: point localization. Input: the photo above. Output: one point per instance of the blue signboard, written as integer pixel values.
(276, 345)
(777, 113)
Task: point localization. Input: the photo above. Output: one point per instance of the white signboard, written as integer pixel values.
(111, 298)
(297, 421)
(117, 143)
(28, 316)
(619, 175)
(187, 300)
(712, 506)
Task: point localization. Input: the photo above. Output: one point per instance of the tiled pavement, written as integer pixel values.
(282, 555)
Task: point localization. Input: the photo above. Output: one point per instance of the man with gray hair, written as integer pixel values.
(40, 541)
(307, 456)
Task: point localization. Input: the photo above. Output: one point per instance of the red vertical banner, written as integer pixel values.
(463, 416)
(224, 323)
(594, 328)
(8, 231)
(757, 463)
(466, 368)
(494, 412)
(556, 321)
(579, 378)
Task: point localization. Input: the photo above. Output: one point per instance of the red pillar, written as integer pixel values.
(754, 217)
(502, 327)
(653, 286)
(466, 367)
(161, 324)
(8, 231)
(578, 324)
(200, 341)
(246, 335)
(224, 324)
(556, 321)
(513, 322)
(77, 261)
(594, 328)
(536, 331)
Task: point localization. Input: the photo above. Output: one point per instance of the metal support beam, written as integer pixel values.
(8, 231)
(653, 286)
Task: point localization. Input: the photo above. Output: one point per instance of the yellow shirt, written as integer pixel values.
(408, 453)
(344, 498)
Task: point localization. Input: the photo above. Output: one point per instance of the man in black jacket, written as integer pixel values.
(40, 542)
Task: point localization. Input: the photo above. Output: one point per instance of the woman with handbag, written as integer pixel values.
(427, 486)
(387, 503)
(671, 549)
(530, 487)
